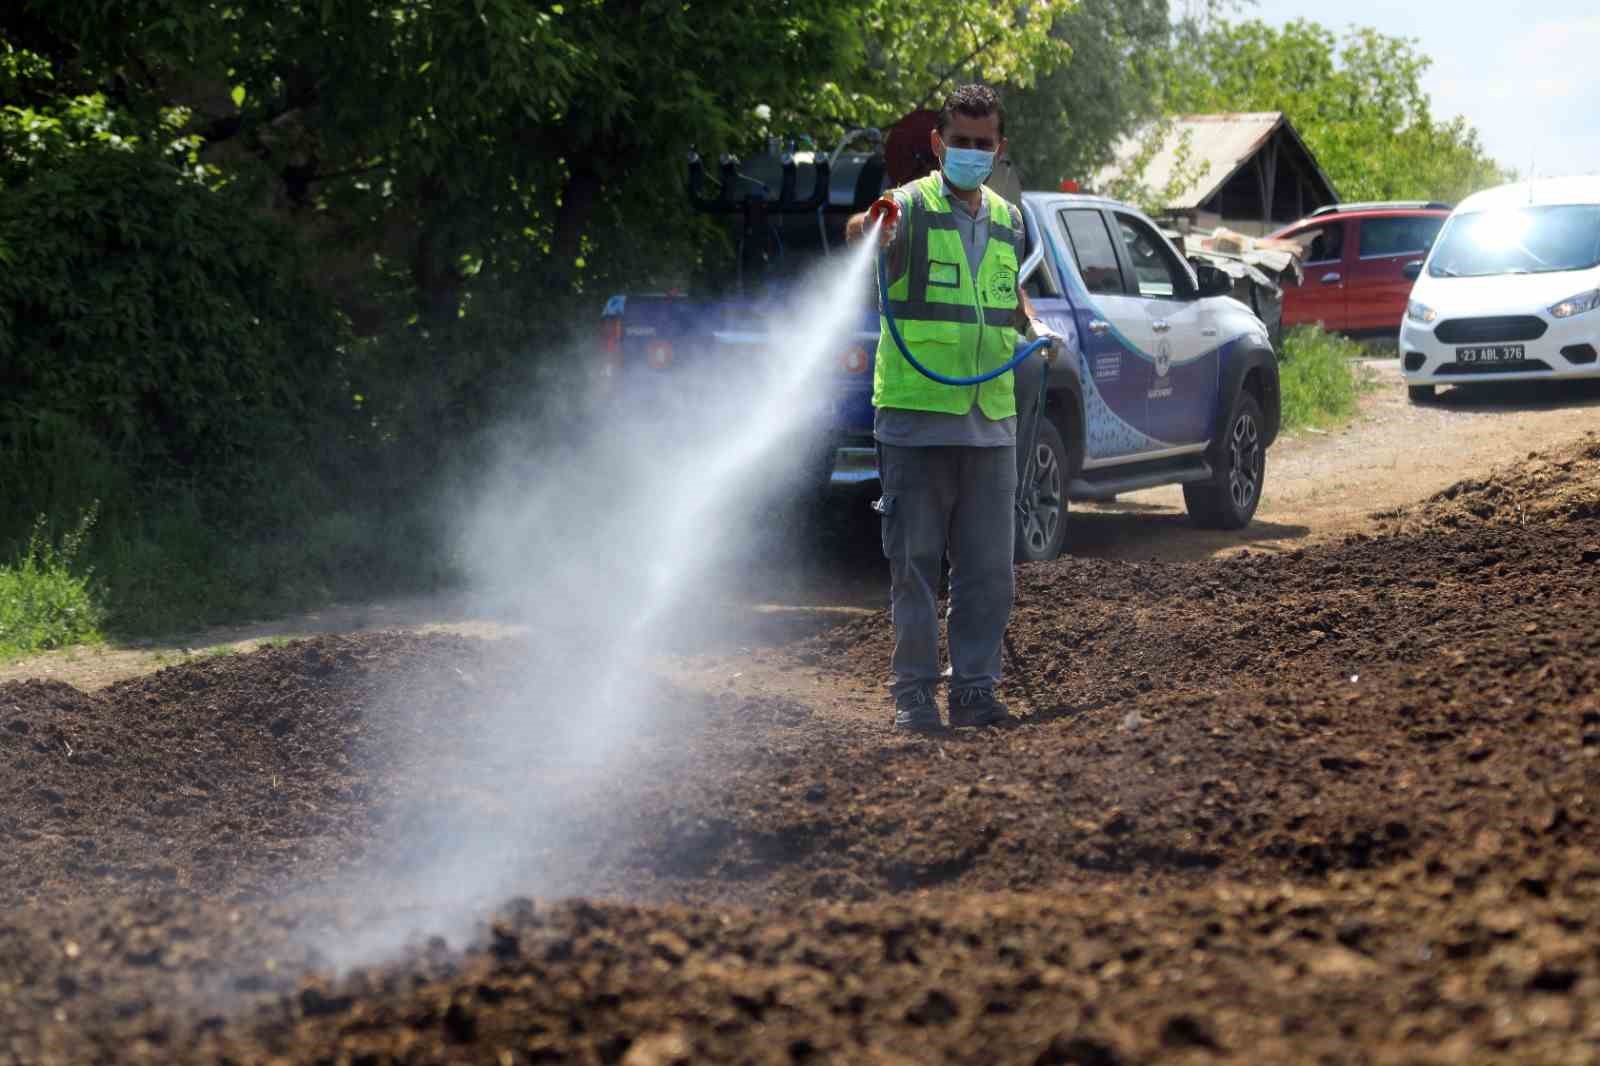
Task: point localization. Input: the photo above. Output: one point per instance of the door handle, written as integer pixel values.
(1161, 327)
(1209, 331)
(1099, 327)
(1332, 279)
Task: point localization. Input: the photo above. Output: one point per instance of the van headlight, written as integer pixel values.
(1420, 312)
(1577, 305)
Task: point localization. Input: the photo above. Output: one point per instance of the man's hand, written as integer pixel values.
(884, 211)
(1037, 330)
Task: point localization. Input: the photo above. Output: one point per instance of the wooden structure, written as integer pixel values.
(1249, 171)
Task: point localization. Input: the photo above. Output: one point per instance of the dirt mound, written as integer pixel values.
(1334, 805)
(233, 776)
(1549, 488)
(1441, 963)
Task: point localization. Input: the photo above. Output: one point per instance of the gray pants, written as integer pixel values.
(958, 499)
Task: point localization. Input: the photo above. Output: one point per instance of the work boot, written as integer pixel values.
(976, 707)
(915, 712)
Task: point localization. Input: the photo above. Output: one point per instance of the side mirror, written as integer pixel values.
(1412, 270)
(1213, 282)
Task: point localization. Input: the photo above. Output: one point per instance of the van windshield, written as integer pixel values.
(1522, 240)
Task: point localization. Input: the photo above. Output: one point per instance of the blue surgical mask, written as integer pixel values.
(966, 168)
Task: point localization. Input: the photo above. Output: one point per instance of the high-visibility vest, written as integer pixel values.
(955, 324)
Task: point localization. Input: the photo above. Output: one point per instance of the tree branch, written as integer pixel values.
(982, 47)
(349, 172)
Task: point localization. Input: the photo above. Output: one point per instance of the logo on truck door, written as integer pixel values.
(1162, 386)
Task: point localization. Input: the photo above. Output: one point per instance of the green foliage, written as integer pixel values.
(268, 268)
(1319, 379)
(164, 348)
(1066, 123)
(905, 55)
(163, 319)
(1357, 100)
(47, 598)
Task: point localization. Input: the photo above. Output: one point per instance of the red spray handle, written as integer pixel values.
(885, 210)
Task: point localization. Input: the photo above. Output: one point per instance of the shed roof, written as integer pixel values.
(1217, 146)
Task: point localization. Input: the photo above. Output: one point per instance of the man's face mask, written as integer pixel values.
(967, 168)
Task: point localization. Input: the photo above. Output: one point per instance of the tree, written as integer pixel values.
(473, 177)
(1067, 123)
(1358, 101)
(503, 141)
(909, 53)
(466, 179)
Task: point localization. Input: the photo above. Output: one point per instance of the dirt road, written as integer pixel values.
(1322, 485)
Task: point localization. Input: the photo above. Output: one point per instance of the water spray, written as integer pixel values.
(601, 569)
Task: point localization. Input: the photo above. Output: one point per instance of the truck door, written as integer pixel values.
(1114, 374)
(1175, 331)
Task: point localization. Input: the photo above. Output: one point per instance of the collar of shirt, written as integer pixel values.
(953, 194)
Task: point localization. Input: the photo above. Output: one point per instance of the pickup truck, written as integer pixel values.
(1168, 379)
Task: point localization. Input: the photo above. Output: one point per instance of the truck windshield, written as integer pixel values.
(1523, 240)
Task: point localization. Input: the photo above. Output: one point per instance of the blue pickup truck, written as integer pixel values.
(1169, 380)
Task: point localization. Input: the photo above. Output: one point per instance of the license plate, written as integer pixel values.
(1492, 353)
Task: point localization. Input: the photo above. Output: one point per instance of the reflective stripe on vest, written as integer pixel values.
(955, 324)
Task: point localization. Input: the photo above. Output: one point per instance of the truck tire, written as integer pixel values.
(1042, 523)
(1238, 469)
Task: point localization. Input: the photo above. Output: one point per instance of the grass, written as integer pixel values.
(173, 554)
(48, 598)
(1320, 381)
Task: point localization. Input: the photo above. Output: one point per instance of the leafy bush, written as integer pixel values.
(164, 319)
(47, 599)
(164, 351)
(1320, 381)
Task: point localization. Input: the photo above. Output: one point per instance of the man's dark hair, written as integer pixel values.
(974, 101)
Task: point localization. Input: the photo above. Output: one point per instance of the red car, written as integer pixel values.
(1355, 261)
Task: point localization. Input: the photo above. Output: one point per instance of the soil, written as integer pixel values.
(1329, 803)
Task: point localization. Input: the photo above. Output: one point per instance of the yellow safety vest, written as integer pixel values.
(955, 324)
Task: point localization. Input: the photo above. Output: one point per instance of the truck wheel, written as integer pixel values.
(1419, 393)
(1239, 467)
(1042, 522)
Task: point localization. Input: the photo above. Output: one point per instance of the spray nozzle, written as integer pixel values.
(885, 211)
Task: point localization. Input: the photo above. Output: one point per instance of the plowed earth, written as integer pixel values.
(1336, 806)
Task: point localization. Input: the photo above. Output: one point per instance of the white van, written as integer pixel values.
(1510, 291)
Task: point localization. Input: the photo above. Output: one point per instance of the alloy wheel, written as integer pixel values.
(1247, 461)
(1044, 501)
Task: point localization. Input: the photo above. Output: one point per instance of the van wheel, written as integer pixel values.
(1042, 506)
(1419, 393)
(1239, 468)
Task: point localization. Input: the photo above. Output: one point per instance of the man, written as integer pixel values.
(947, 455)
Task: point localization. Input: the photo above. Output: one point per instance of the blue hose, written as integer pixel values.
(899, 342)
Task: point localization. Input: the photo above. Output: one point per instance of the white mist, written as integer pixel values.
(604, 548)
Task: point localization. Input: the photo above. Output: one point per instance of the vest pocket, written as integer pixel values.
(935, 345)
(945, 275)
